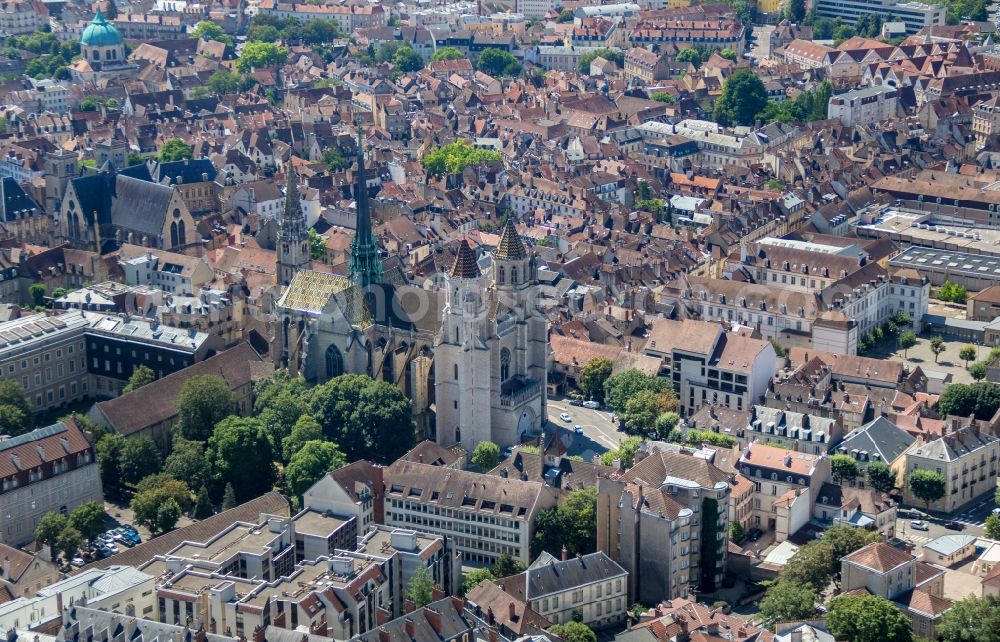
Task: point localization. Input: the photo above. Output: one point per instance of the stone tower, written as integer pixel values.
(60, 166)
(366, 265)
(293, 238)
(112, 151)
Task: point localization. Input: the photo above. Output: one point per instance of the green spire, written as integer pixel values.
(292, 226)
(366, 266)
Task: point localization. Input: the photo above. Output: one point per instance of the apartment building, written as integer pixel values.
(647, 66)
(168, 271)
(915, 15)
(786, 484)
(967, 458)
(19, 17)
(348, 17)
(687, 34)
(592, 589)
(986, 121)
(792, 430)
(856, 507)
(535, 8)
(354, 490)
(50, 469)
(878, 440)
(864, 106)
(486, 516)
(709, 366)
(653, 519)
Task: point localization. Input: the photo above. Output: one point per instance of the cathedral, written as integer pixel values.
(471, 355)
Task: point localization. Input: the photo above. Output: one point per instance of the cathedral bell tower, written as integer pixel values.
(366, 265)
(293, 238)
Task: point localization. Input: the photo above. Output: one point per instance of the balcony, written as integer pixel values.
(518, 391)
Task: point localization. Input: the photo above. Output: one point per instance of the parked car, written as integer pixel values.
(954, 526)
(754, 535)
(578, 429)
(77, 562)
(919, 525)
(575, 402)
(565, 417)
(996, 511)
(593, 405)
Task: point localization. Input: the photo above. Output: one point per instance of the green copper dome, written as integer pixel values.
(100, 33)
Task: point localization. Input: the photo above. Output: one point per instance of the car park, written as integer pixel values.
(919, 525)
(565, 417)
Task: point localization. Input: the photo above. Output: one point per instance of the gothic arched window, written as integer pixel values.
(334, 362)
(181, 236)
(504, 365)
(173, 235)
(500, 276)
(513, 275)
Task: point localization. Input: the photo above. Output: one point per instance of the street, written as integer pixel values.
(972, 520)
(596, 424)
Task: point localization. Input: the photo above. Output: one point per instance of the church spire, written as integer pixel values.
(366, 266)
(293, 238)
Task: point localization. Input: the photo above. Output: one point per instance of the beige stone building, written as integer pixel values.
(967, 459)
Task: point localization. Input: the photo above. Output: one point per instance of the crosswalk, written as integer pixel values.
(917, 539)
(969, 520)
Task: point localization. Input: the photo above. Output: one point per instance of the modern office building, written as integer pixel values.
(915, 15)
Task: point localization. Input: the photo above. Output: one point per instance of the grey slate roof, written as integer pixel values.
(559, 576)
(140, 205)
(878, 436)
(189, 171)
(16, 199)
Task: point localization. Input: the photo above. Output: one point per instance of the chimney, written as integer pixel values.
(796, 634)
(383, 635)
(411, 628)
(510, 610)
(565, 554)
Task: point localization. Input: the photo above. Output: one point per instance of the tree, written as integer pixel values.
(692, 56)
(644, 408)
(474, 578)
(203, 504)
(421, 588)
(785, 601)
(167, 515)
(867, 618)
(310, 463)
(572, 524)
(743, 97)
(306, 429)
(109, 453)
(334, 159)
(583, 64)
(980, 399)
(208, 30)
(175, 149)
(666, 423)
(368, 419)
(13, 421)
(454, 157)
(978, 370)
(139, 457)
(280, 414)
(927, 485)
(407, 60)
(662, 97)
(906, 340)
(37, 293)
(967, 354)
(88, 519)
(486, 455)
(620, 387)
(937, 347)
(223, 82)
(141, 376)
(564, 16)
(497, 62)
(175, 489)
(729, 54)
(229, 498)
(187, 462)
(625, 453)
(12, 394)
(447, 53)
(593, 377)
(145, 508)
(240, 453)
(69, 542)
(812, 564)
(257, 55)
(205, 400)
(506, 566)
(736, 531)
(49, 527)
(573, 632)
(843, 468)
(971, 619)
(880, 477)
(844, 540)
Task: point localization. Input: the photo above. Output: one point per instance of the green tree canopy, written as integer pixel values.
(49, 527)
(625, 452)
(506, 566)
(205, 400)
(486, 455)
(692, 56)
(786, 601)
(240, 453)
(208, 30)
(310, 463)
(109, 454)
(937, 347)
(844, 540)
(867, 618)
(645, 407)
(573, 632)
(187, 462)
(971, 619)
(421, 587)
(583, 64)
(139, 457)
(223, 82)
(176, 489)
(69, 542)
(981, 399)
(572, 524)
(743, 97)
(927, 485)
(499, 63)
(15, 413)
(229, 497)
(880, 476)
(811, 565)
(167, 515)
(141, 376)
(305, 429)
(203, 504)
(593, 377)
(992, 527)
(447, 53)
(154, 509)
(175, 149)
(474, 578)
(620, 387)
(88, 519)
(455, 157)
(844, 468)
(368, 419)
(256, 55)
